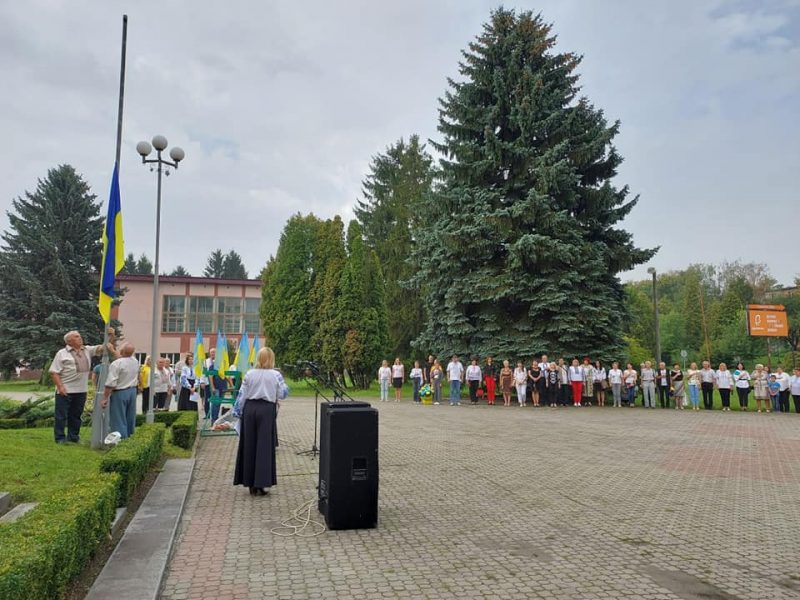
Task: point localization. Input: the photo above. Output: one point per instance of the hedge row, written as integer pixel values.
(168, 418)
(184, 429)
(45, 549)
(13, 424)
(133, 457)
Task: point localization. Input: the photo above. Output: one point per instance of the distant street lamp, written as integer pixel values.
(162, 165)
(652, 272)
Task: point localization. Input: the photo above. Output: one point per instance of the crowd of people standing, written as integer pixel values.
(587, 382)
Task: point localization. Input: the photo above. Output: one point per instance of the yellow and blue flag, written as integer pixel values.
(243, 354)
(253, 352)
(199, 355)
(113, 249)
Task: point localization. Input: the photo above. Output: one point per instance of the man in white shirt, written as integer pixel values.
(455, 374)
(70, 372)
(121, 384)
(784, 380)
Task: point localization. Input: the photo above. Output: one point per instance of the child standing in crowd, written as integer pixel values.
(520, 381)
(506, 381)
(437, 376)
(629, 377)
(576, 381)
(678, 390)
(615, 379)
(416, 381)
(761, 387)
(474, 376)
(384, 375)
(552, 385)
(774, 392)
(398, 378)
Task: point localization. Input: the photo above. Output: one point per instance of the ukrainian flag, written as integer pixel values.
(113, 249)
(242, 360)
(253, 352)
(199, 355)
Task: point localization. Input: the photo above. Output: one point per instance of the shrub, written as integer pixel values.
(133, 457)
(184, 430)
(168, 418)
(13, 424)
(46, 548)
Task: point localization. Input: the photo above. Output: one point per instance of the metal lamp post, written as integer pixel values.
(652, 272)
(161, 165)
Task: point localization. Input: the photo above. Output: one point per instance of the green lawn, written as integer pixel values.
(33, 467)
(24, 386)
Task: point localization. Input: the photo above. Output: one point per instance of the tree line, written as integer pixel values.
(218, 266)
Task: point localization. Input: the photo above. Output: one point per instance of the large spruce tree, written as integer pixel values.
(398, 181)
(519, 251)
(48, 269)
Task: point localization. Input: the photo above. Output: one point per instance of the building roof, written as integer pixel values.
(181, 279)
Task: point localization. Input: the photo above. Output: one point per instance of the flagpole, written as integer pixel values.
(100, 415)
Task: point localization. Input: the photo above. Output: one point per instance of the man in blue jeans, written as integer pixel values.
(120, 391)
(455, 374)
(70, 372)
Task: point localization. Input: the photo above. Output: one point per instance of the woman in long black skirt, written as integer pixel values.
(257, 405)
(187, 385)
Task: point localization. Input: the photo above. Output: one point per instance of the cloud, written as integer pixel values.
(280, 107)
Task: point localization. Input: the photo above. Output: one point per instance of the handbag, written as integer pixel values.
(604, 384)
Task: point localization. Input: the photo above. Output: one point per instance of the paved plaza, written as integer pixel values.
(496, 502)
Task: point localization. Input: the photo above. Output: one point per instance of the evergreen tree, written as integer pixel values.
(130, 267)
(215, 266)
(328, 263)
(519, 251)
(362, 310)
(286, 308)
(180, 271)
(48, 269)
(394, 190)
(144, 266)
(233, 267)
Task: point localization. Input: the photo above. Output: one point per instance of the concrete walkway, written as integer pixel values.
(496, 502)
(135, 569)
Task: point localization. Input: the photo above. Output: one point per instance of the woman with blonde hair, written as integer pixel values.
(257, 406)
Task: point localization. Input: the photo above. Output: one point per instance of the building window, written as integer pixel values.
(252, 321)
(201, 314)
(173, 319)
(229, 315)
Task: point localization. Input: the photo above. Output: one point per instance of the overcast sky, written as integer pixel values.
(281, 105)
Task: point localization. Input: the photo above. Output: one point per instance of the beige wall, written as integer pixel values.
(135, 312)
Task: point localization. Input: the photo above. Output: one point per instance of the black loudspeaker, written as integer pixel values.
(348, 465)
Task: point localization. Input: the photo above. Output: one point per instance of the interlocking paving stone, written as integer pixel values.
(488, 502)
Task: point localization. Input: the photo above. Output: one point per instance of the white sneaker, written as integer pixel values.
(436, 404)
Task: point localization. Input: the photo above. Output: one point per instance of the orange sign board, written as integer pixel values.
(767, 320)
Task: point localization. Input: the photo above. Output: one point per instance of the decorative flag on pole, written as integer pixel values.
(199, 355)
(253, 352)
(243, 355)
(113, 249)
(224, 360)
